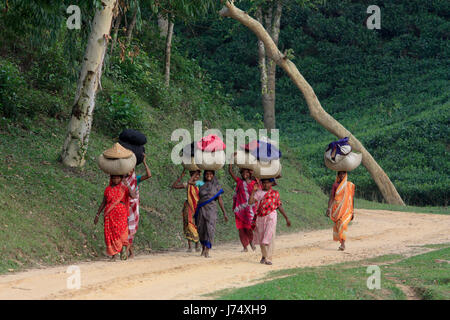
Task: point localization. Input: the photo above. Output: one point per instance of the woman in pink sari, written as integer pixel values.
(243, 212)
(133, 219)
(268, 202)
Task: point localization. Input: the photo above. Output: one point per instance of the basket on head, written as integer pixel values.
(347, 163)
(117, 152)
(118, 166)
(209, 160)
(245, 160)
(267, 169)
(187, 157)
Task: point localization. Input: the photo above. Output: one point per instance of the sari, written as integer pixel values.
(190, 206)
(244, 212)
(133, 218)
(342, 208)
(115, 218)
(266, 221)
(206, 212)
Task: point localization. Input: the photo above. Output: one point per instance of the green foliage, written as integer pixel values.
(389, 87)
(50, 71)
(12, 84)
(121, 111)
(19, 101)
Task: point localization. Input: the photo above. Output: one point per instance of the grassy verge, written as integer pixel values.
(426, 276)
(365, 204)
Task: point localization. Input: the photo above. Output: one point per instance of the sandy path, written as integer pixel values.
(182, 275)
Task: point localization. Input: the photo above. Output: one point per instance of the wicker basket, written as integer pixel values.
(189, 164)
(245, 160)
(117, 166)
(209, 160)
(267, 169)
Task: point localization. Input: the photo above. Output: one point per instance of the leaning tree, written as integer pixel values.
(383, 182)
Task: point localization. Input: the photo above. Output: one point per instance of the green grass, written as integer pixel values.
(365, 204)
(427, 274)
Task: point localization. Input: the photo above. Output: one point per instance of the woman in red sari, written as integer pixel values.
(116, 205)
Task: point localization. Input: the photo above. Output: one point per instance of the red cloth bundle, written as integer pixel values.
(211, 143)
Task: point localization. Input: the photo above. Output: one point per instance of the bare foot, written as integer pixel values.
(130, 253)
(189, 250)
(123, 253)
(244, 250)
(113, 258)
(253, 246)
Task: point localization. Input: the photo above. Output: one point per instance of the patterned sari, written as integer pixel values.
(115, 218)
(190, 205)
(133, 218)
(206, 213)
(244, 212)
(342, 208)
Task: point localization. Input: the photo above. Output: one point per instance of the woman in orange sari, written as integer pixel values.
(116, 201)
(340, 207)
(189, 207)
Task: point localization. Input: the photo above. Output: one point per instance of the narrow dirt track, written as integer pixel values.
(182, 275)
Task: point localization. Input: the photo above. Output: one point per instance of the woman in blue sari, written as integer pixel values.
(206, 213)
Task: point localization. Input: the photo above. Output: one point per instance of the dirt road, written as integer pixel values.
(183, 275)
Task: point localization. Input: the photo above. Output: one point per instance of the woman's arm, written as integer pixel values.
(230, 171)
(177, 184)
(148, 173)
(100, 209)
(192, 180)
(281, 209)
(223, 209)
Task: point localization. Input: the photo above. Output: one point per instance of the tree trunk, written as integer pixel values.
(131, 27)
(383, 182)
(77, 138)
(168, 52)
(116, 32)
(269, 102)
(163, 25)
(271, 21)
